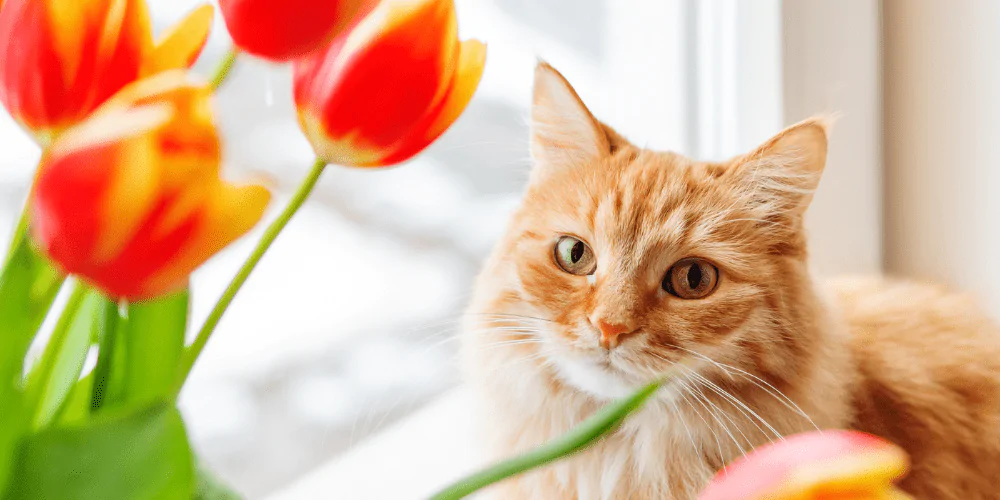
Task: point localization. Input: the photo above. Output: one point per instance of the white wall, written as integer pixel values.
(942, 127)
(832, 64)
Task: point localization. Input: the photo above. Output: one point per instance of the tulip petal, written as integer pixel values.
(64, 58)
(228, 212)
(282, 30)
(124, 42)
(867, 470)
(182, 43)
(128, 192)
(131, 200)
(471, 63)
(188, 148)
(72, 22)
(156, 88)
(828, 464)
(114, 19)
(84, 206)
(365, 91)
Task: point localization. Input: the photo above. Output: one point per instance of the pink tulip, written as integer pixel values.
(821, 465)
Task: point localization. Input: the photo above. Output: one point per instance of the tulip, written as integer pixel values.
(63, 58)
(383, 92)
(281, 30)
(821, 465)
(131, 200)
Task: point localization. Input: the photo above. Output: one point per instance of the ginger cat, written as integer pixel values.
(624, 263)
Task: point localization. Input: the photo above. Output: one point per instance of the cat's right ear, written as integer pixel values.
(563, 132)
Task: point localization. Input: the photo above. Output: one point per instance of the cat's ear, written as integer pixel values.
(563, 132)
(781, 175)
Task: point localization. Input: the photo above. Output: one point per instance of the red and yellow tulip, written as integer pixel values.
(822, 465)
(281, 30)
(131, 200)
(383, 92)
(63, 58)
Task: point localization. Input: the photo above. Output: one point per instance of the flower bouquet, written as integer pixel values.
(128, 200)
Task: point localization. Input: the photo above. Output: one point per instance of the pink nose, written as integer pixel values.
(610, 332)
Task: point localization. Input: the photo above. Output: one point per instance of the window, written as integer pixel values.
(387, 257)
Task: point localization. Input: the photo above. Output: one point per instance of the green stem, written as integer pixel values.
(223, 68)
(28, 287)
(270, 234)
(41, 374)
(20, 230)
(106, 352)
(598, 425)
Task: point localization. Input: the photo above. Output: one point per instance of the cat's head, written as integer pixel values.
(634, 259)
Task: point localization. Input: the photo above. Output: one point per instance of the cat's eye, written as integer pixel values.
(691, 278)
(575, 256)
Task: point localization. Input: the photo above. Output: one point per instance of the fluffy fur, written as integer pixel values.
(768, 353)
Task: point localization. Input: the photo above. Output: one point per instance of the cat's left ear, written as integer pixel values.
(782, 174)
(564, 134)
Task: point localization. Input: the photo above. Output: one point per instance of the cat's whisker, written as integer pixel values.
(687, 430)
(703, 399)
(685, 392)
(507, 343)
(485, 330)
(741, 406)
(507, 321)
(457, 335)
(447, 333)
(491, 346)
(543, 354)
(500, 333)
(446, 323)
(510, 316)
(767, 387)
(777, 394)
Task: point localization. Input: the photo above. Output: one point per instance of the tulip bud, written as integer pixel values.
(821, 465)
(281, 30)
(131, 200)
(63, 58)
(384, 92)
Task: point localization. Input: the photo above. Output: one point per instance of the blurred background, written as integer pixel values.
(338, 357)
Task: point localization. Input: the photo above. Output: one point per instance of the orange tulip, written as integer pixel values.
(63, 58)
(131, 199)
(822, 465)
(385, 91)
(281, 30)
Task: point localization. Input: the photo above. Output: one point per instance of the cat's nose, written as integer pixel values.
(611, 332)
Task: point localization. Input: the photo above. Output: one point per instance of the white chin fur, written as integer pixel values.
(590, 378)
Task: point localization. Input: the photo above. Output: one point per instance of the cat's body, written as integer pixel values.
(623, 264)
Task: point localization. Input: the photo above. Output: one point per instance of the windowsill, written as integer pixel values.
(410, 460)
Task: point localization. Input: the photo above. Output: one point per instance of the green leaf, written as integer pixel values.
(76, 409)
(14, 418)
(28, 285)
(588, 432)
(20, 232)
(155, 343)
(107, 324)
(141, 455)
(51, 380)
(210, 487)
